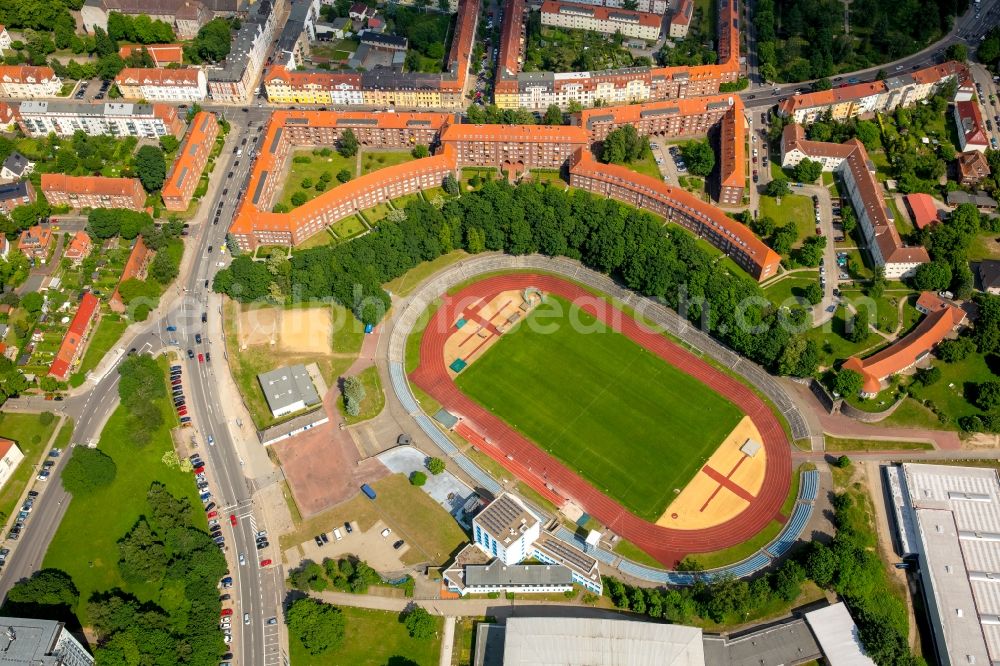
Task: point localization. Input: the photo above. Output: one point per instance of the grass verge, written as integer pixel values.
(31, 436)
(374, 400)
(840, 444)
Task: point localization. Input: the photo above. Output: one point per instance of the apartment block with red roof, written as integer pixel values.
(922, 208)
(875, 96)
(972, 167)
(678, 206)
(514, 148)
(601, 19)
(34, 242)
(732, 155)
(26, 81)
(162, 54)
(76, 337)
(851, 161)
(79, 247)
(313, 87)
(187, 84)
(941, 318)
(190, 163)
(680, 22)
(93, 191)
(971, 130)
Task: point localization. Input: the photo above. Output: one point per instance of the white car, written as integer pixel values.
(228, 638)
(386, 532)
(246, 618)
(243, 560)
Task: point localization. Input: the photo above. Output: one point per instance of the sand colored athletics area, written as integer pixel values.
(483, 322)
(724, 486)
(304, 330)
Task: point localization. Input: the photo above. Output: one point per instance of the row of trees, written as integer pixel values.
(849, 565)
(213, 41)
(624, 146)
(348, 574)
(140, 386)
(632, 246)
(139, 29)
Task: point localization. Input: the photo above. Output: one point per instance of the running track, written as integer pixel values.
(554, 480)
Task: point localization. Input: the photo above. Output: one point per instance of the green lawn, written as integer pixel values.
(646, 165)
(901, 221)
(376, 213)
(108, 332)
(840, 444)
(374, 400)
(119, 505)
(720, 558)
(602, 404)
(348, 227)
(985, 246)
(318, 239)
(832, 343)
(633, 552)
(373, 638)
(409, 280)
(951, 394)
(795, 208)
(375, 160)
(886, 307)
(31, 436)
(317, 165)
(433, 535)
(792, 286)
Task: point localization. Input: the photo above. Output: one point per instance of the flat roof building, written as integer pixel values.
(289, 389)
(39, 119)
(40, 643)
(952, 515)
(837, 634)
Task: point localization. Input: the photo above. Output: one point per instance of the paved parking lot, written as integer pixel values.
(368, 545)
(444, 488)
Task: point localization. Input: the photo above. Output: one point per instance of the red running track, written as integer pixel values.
(552, 478)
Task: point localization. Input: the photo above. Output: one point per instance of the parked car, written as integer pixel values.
(265, 563)
(398, 544)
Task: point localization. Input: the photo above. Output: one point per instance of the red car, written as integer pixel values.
(182, 412)
(201, 358)
(227, 611)
(199, 470)
(265, 563)
(232, 519)
(212, 514)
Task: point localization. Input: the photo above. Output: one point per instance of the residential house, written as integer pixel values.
(972, 167)
(10, 457)
(19, 193)
(135, 267)
(7, 119)
(922, 208)
(27, 81)
(79, 247)
(151, 121)
(989, 276)
(188, 84)
(360, 11)
(34, 242)
(186, 16)
(190, 163)
(681, 20)
(575, 16)
(16, 166)
(5, 40)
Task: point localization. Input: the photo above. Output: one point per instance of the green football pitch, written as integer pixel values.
(631, 424)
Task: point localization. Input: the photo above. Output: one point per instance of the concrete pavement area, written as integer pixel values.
(368, 545)
(444, 488)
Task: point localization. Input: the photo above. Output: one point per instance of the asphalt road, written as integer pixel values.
(256, 590)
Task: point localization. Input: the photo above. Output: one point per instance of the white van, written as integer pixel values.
(336, 534)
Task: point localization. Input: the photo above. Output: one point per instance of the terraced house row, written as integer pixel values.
(537, 90)
(383, 87)
(878, 96)
(514, 149)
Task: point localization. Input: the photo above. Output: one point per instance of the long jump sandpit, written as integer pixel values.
(550, 477)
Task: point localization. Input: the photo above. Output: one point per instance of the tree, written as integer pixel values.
(932, 276)
(151, 167)
(418, 478)
(343, 175)
(299, 197)
(420, 151)
(142, 556)
(48, 587)
(169, 143)
(953, 351)
(928, 376)
(848, 383)
(699, 157)
(807, 171)
(553, 115)
(88, 470)
(347, 145)
(212, 44)
(163, 268)
(814, 293)
(821, 563)
(868, 134)
(32, 302)
(318, 626)
(451, 185)
(623, 145)
(778, 187)
(876, 286)
(419, 623)
(434, 465)
(959, 52)
(988, 394)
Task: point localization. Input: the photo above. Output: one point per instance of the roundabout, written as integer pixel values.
(721, 505)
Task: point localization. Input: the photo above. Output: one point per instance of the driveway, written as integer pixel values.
(820, 313)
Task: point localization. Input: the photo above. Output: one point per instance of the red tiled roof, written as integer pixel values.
(59, 182)
(5, 444)
(79, 246)
(683, 14)
(970, 120)
(971, 164)
(25, 74)
(153, 76)
(905, 352)
(192, 156)
(923, 209)
(319, 78)
(515, 133)
(74, 336)
(733, 159)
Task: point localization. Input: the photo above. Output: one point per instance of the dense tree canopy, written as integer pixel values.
(319, 626)
(657, 261)
(88, 470)
(139, 28)
(213, 42)
(699, 157)
(151, 167)
(623, 145)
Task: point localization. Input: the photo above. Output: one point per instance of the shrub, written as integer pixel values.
(419, 623)
(842, 462)
(418, 478)
(435, 465)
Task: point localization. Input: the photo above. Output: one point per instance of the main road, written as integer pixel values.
(257, 590)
